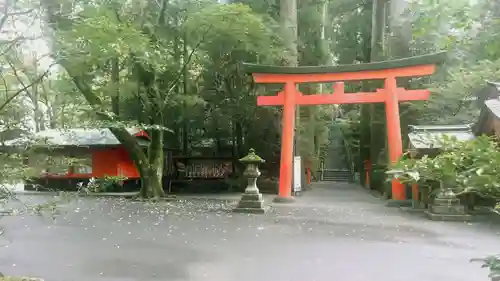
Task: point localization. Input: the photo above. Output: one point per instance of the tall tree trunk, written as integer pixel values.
(185, 81)
(288, 17)
(377, 118)
(49, 100)
(288, 20)
(156, 162)
(324, 22)
(400, 29)
(52, 118)
(399, 47)
(150, 176)
(33, 94)
(37, 112)
(239, 138)
(115, 79)
(379, 17)
(151, 185)
(178, 122)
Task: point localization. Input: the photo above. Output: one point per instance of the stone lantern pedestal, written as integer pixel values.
(447, 207)
(251, 201)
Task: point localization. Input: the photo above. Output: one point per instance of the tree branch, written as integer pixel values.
(6, 16)
(4, 82)
(12, 43)
(24, 88)
(19, 78)
(184, 67)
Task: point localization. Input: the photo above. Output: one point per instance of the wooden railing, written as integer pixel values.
(203, 167)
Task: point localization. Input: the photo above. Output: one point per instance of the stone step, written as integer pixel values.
(338, 175)
(338, 179)
(337, 171)
(343, 179)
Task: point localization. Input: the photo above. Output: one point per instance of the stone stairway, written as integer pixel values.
(336, 164)
(337, 175)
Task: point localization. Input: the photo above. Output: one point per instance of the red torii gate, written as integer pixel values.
(391, 95)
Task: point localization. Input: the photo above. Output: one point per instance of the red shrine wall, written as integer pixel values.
(97, 163)
(113, 162)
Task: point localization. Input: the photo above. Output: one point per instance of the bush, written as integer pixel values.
(493, 264)
(106, 184)
(464, 166)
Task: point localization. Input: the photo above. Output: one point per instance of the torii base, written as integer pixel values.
(251, 203)
(284, 200)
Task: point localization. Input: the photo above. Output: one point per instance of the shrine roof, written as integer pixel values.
(77, 137)
(489, 103)
(436, 58)
(493, 106)
(430, 136)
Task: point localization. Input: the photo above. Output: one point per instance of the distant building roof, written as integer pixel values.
(430, 136)
(493, 106)
(75, 137)
(490, 91)
(489, 103)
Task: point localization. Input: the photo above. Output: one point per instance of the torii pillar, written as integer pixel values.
(390, 95)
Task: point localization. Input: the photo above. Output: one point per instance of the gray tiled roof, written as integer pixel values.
(493, 106)
(487, 101)
(429, 136)
(71, 137)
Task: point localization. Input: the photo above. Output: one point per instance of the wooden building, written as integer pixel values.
(426, 139)
(97, 154)
(489, 117)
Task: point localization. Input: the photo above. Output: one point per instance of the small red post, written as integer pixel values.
(368, 168)
(414, 190)
(394, 139)
(287, 133)
(308, 171)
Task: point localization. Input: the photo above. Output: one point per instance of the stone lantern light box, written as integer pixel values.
(251, 201)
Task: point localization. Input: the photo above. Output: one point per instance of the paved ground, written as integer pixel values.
(336, 232)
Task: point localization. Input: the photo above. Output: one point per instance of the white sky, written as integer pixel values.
(28, 26)
(36, 48)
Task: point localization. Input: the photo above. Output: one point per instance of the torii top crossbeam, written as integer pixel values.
(391, 95)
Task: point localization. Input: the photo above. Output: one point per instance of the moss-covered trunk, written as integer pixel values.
(364, 141)
(150, 169)
(156, 165)
(377, 116)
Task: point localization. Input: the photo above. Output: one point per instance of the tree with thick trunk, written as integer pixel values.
(288, 18)
(150, 165)
(377, 116)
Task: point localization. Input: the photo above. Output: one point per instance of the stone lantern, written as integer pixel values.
(447, 207)
(251, 201)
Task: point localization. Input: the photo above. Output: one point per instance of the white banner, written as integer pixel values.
(297, 174)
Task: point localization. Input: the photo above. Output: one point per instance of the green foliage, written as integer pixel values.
(106, 184)
(442, 25)
(468, 31)
(350, 30)
(97, 35)
(465, 166)
(493, 264)
(225, 29)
